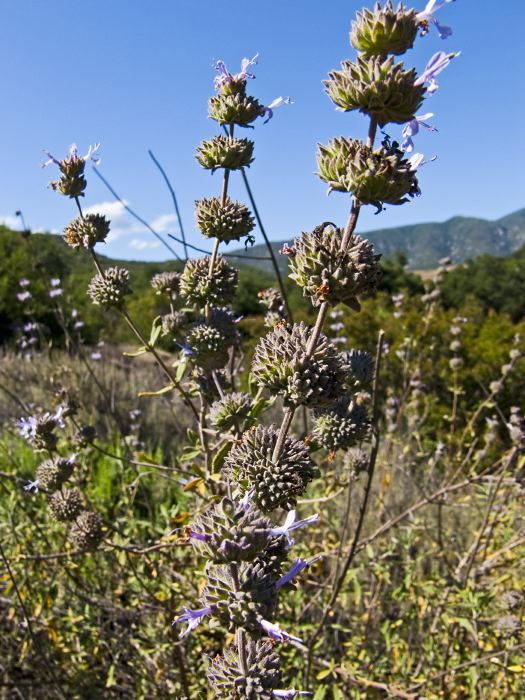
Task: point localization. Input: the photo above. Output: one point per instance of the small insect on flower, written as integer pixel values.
(426, 16)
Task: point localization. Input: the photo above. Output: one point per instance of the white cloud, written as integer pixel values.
(12, 222)
(121, 224)
(164, 223)
(139, 244)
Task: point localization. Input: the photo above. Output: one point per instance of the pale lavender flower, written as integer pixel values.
(187, 351)
(427, 15)
(247, 499)
(226, 77)
(411, 129)
(24, 282)
(197, 535)
(23, 296)
(337, 326)
(73, 153)
(28, 427)
(78, 324)
(28, 327)
(297, 567)
(273, 629)
(278, 102)
(55, 293)
(96, 356)
(31, 486)
(437, 63)
(59, 416)
(291, 693)
(55, 282)
(192, 617)
(291, 524)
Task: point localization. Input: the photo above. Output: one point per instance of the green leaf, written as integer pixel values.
(159, 392)
(141, 351)
(156, 328)
(218, 460)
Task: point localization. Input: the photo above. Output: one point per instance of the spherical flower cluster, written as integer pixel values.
(72, 182)
(174, 323)
(361, 365)
(86, 532)
(384, 30)
(230, 411)
(274, 484)
(238, 109)
(53, 473)
(111, 288)
(208, 343)
(342, 427)
(283, 364)
(274, 303)
(86, 231)
(260, 681)
(66, 505)
(225, 152)
(166, 283)
(377, 87)
(201, 288)
(227, 221)
(381, 176)
(328, 274)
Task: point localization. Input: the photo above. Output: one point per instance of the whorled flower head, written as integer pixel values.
(259, 682)
(377, 87)
(328, 275)
(66, 505)
(166, 283)
(198, 287)
(86, 532)
(381, 176)
(226, 222)
(207, 344)
(111, 288)
(274, 303)
(225, 152)
(240, 109)
(342, 427)
(175, 323)
(39, 431)
(276, 484)
(229, 533)
(384, 30)
(230, 411)
(362, 365)
(51, 474)
(357, 461)
(86, 231)
(72, 182)
(282, 363)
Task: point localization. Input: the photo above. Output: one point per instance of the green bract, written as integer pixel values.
(235, 109)
(383, 176)
(226, 221)
(225, 152)
(110, 288)
(384, 30)
(201, 288)
(377, 87)
(327, 274)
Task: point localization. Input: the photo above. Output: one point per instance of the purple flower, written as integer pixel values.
(28, 327)
(247, 499)
(291, 693)
(197, 535)
(192, 617)
(417, 160)
(28, 427)
(437, 63)
(24, 282)
(427, 15)
(186, 350)
(96, 356)
(411, 128)
(73, 155)
(78, 324)
(291, 524)
(23, 296)
(278, 102)
(59, 416)
(55, 282)
(55, 293)
(297, 567)
(274, 630)
(226, 77)
(31, 486)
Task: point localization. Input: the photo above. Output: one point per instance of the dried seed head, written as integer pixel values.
(86, 231)
(52, 473)
(199, 288)
(328, 275)
(377, 87)
(66, 505)
(228, 221)
(225, 152)
(87, 532)
(377, 177)
(274, 484)
(111, 288)
(282, 364)
(384, 31)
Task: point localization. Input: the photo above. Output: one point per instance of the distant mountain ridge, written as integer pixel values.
(460, 238)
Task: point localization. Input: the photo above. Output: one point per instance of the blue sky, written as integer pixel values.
(136, 74)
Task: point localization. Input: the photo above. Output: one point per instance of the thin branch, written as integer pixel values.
(175, 203)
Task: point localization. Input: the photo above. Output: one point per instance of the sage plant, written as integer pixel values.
(254, 473)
